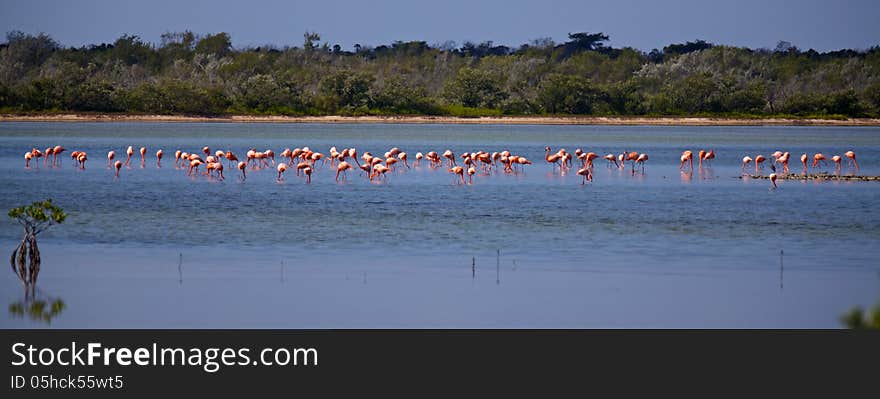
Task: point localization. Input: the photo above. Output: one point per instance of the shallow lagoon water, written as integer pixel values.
(156, 248)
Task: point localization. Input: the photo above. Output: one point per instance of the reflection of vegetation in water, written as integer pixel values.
(25, 259)
(38, 310)
(859, 319)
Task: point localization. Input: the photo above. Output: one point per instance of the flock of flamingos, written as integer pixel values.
(305, 161)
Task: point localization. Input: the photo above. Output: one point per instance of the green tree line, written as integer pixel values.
(192, 74)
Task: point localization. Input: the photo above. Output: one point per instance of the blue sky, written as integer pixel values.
(823, 25)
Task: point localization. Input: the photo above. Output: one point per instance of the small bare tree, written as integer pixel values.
(25, 259)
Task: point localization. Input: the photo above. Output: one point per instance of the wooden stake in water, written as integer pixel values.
(781, 268)
(180, 268)
(473, 268)
(498, 267)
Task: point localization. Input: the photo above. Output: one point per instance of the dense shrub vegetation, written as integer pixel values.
(204, 75)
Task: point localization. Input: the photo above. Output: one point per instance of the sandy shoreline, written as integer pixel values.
(657, 121)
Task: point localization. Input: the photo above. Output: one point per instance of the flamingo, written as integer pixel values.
(773, 181)
(55, 151)
(302, 166)
(117, 165)
(851, 155)
(206, 150)
(143, 152)
(642, 158)
(746, 160)
(709, 156)
(271, 155)
(523, 161)
(818, 157)
(611, 160)
(688, 157)
(82, 158)
(471, 171)
(35, 153)
(27, 159)
(194, 166)
(701, 155)
(242, 166)
(176, 158)
(390, 161)
(776, 154)
(215, 167)
(159, 158)
(282, 167)
(759, 161)
(804, 159)
(379, 169)
(552, 159)
(74, 155)
(341, 168)
(458, 170)
(783, 160)
(588, 159)
(48, 152)
(130, 152)
(419, 157)
(110, 156)
(230, 157)
(450, 156)
(585, 172)
(836, 159)
(402, 156)
(308, 172)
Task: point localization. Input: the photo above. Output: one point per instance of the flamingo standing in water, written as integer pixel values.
(130, 152)
(110, 156)
(710, 155)
(282, 167)
(342, 168)
(81, 158)
(773, 181)
(143, 152)
(746, 161)
(379, 169)
(308, 172)
(585, 172)
(27, 159)
(687, 157)
(177, 155)
(552, 159)
(641, 159)
(611, 159)
(35, 153)
(804, 159)
(836, 159)
(450, 156)
(419, 157)
(117, 165)
(458, 170)
(242, 166)
(55, 151)
(471, 171)
(818, 157)
(759, 162)
(783, 160)
(851, 155)
(48, 152)
(159, 158)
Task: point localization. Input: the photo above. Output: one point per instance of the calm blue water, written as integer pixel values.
(659, 249)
